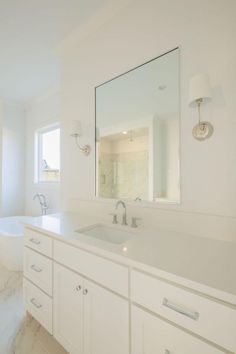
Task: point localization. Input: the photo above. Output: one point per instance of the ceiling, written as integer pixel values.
(30, 30)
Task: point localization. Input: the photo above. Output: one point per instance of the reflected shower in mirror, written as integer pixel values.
(137, 133)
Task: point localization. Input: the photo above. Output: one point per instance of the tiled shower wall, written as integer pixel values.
(114, 169)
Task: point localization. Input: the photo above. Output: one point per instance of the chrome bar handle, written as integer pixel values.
(36, 242)
(35, 303)
(35, 268)
(183, 311)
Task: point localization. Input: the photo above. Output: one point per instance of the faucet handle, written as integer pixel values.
(134, 222)
(114, 220)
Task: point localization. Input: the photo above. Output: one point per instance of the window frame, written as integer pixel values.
(38, 153)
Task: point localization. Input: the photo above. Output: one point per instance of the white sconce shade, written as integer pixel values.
(199, 89)
(76, 129)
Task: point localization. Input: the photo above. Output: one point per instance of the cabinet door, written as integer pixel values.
(106, 321)
(68, 309)
(151, 335)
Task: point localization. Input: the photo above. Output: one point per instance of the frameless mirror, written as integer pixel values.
(137, 133)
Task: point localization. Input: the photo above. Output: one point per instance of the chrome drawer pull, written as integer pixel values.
(35, 303)
(36, 242)
(191, 314)
(35, 268)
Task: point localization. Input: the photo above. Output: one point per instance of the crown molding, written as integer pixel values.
(9, 102)
(37, 99)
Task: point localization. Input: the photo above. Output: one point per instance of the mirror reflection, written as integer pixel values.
(137, 133)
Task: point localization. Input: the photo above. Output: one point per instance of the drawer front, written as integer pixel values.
(209, 319)
(151, 335)
(38, 242)
(38, 304)
(107, 273)
(38, 269)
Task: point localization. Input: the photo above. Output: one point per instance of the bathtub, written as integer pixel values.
(11, 242)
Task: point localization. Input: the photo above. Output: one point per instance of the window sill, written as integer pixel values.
(47, 184)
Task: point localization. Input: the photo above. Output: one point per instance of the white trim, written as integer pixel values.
(37, 99)
(11, 102)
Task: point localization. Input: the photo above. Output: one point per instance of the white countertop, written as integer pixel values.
(205, 265)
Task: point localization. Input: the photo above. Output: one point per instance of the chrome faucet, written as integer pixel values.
(42, 201)
(124, 216)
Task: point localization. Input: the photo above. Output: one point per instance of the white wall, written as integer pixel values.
(13, 160)
(205, 31)
(39, 113)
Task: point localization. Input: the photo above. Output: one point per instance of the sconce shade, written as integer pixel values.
(76, 128)
(199, 88)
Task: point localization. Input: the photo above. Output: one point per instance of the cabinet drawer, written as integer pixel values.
(209, 319)
(107, 273)
(151, 335)
(38, 242)
(38, 269)
(38, 304)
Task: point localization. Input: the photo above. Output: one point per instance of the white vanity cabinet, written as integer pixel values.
(152, 335)
(93, 304)
(106, 323)
(38, 270)
(38, 304)
(88, 318)
(205, 317)
(68, 309)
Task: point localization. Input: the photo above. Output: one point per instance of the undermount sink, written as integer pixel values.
(106, 233)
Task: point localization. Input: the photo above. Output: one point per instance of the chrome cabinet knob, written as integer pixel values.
(78, 287)
(85, 291)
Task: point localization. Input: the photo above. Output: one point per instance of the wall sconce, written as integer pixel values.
(200, 92)
(76, 132)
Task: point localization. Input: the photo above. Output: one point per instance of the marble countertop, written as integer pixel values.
(205, 265)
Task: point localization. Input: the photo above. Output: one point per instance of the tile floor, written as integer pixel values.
(20, 334)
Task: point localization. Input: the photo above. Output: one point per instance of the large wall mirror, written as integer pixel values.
(137, 133)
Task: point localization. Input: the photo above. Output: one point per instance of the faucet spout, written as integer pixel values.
(124, 217)
(42, 201)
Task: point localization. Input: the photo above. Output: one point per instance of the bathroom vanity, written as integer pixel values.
(100, 297)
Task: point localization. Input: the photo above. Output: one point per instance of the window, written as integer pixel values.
(47, 157)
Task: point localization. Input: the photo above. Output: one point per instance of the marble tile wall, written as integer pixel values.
(124, 175)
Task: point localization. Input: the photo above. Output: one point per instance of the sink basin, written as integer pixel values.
(106, 233)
